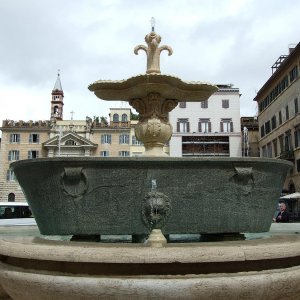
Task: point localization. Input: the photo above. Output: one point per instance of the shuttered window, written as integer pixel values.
(33, 154)
(14, 138)
(34, 138)
(106, 139)
(124, 139)
(204, 125)
(226, 125)
(183, 125)
(13, 155)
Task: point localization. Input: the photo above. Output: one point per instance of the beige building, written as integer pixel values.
(279, 118)
(20, 140)
(58, 137)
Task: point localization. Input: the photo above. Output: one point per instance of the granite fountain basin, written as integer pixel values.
(86, 196)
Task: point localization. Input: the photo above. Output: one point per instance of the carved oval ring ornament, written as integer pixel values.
(74, 182)
(156, 209)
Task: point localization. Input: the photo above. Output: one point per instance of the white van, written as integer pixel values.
(15, 213)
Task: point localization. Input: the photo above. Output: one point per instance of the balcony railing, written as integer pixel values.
(112, 125)
(23, 124)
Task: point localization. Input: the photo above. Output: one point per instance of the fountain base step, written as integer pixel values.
(252, 269)
(254, 285)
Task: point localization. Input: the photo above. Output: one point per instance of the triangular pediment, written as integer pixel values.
(69, 139)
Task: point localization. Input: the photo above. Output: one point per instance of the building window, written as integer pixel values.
(115, 118)
(275, 148)
(278, 89)
(33, 154)
(14, 138)
(296, 105)
(274, 124)
(124, 153)
(55, 110)
(106, 139)
(298, 165)
(70, 143)
(281, 143)
(225, 103)
(287, 115)
(267, 127)
(124, 139)
(264, 151)
(13, 155)
(226, 125)
(204, 104)
(10, 175)
(104, 153)
(124, 118)
(280, 117)
(288, 141)
(182, 104)
(294, 74)
(34, 138)
(11, 197)
(262, 131)
(183, 125)
(297, 136)
(269, 150)
(135, 141)
(204, 125)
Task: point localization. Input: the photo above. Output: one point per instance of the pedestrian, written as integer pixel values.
(283, 215)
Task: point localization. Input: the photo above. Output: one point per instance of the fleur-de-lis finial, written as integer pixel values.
(153, 51)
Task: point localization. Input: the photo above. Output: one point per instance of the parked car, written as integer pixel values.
(15, 213)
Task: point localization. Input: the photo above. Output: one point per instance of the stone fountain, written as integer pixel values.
(151, 197)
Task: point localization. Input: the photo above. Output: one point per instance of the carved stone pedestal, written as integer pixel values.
(153, 129)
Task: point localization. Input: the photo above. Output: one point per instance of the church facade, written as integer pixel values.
(58, 137)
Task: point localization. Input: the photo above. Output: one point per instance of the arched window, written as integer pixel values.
(124, 118)
(11, 197)
(70, 143)
(55, 110)
(115, 118)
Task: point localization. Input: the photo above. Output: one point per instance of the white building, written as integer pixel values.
(208, 128)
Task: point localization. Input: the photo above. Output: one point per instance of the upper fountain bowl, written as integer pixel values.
(169, 87)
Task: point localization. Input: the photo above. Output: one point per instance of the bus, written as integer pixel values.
(15, 213)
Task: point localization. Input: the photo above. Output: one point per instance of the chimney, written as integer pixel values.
(291, 48)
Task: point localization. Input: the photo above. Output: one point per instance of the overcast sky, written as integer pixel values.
(217, 41)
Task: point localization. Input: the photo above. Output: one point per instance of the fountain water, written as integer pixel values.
(90, 197)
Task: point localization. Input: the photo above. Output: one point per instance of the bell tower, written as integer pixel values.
(57, 100)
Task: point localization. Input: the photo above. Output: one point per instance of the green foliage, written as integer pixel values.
(96, 119)
(134, 116)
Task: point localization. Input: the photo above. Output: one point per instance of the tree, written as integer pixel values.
(134, 116)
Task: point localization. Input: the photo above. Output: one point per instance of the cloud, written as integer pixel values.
(216, 41)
